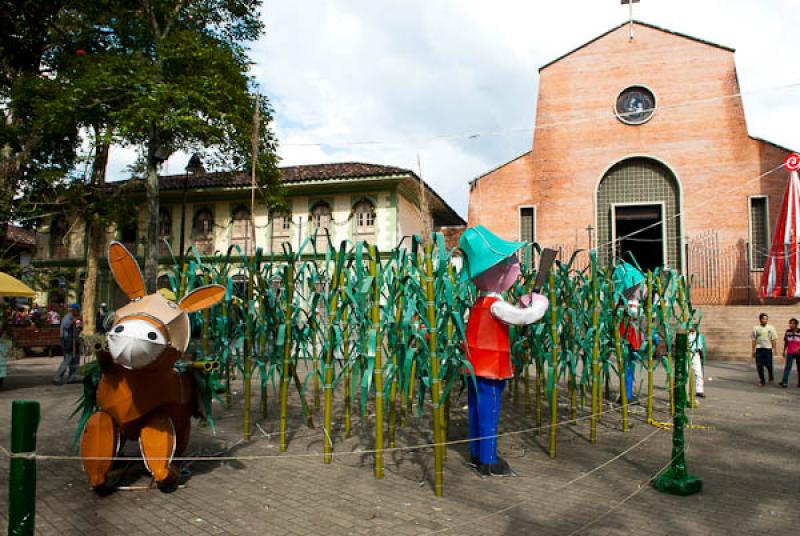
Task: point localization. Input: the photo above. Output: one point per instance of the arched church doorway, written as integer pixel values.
(638, 201)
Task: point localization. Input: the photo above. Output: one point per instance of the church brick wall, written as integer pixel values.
(698, 132)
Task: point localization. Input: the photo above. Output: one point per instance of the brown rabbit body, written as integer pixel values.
(141, 395)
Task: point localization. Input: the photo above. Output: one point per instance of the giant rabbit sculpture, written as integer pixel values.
(141, 395)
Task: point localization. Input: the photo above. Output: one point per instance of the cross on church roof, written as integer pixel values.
(630, 13)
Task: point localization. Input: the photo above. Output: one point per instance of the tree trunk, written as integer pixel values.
(151, 246)
(94, 237)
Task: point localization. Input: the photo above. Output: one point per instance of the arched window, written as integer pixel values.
(281, 228)
(58, 236)
(281, 222)
(242, 232)
(203, 231)
(364, 221)
(320, 216)
(164, 231)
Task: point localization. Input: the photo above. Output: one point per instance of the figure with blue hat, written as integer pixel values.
(493, 267)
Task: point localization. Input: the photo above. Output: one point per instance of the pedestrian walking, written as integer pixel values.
(764, 347)
(697, 349)
(70, 343)
(791, 352)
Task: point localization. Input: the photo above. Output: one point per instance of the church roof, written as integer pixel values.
(482, 175)
(640, 23)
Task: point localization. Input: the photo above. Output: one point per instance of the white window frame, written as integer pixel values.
(519, 221)
(750, 229)
(662, 208)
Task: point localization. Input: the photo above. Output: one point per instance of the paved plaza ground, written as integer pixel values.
(747, 456)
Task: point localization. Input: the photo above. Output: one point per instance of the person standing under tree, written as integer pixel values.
(70, 343)
(791, 352)
(765, 340)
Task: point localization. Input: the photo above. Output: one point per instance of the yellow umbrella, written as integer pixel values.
(14, 288)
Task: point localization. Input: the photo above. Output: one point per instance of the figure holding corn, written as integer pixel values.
(493, 267)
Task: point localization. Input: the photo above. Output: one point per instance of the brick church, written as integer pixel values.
(641, 147)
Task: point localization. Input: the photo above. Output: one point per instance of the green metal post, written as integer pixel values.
(22, 473)
(676, 480)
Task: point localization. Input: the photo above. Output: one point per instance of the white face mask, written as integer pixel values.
(135, 343)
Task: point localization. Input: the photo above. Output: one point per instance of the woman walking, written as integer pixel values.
(791, 352)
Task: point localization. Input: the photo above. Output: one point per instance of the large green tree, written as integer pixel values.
(36, 148)
(163, 76)
(190, 89)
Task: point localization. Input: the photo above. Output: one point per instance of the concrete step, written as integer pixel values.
(727, 328)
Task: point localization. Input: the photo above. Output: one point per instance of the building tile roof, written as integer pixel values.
(309, 173)
(288, 175)
(19, 236)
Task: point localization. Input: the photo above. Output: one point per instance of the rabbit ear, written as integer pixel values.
(126, 271)
(202, 298)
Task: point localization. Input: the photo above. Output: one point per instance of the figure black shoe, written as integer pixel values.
(501, 468)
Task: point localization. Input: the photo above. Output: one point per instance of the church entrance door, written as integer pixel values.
(638, 232)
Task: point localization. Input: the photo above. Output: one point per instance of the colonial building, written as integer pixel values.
(348, 201)
(641, 147)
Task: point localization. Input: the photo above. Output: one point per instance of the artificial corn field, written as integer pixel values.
(382, 335)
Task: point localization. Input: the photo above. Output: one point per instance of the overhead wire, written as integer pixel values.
(469, 135)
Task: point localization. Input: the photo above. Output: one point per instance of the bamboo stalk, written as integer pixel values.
(396, 378)
(573, 394)
(553, 365)
(621, 361)
(671, 371)
(315, 359)
(206, 321)
(537, 408)
(347, 386)
(596, 390)
(303, 403)
(438, 430)
(247, 350)
(287, 348)
(377, 373)
(327, 388)
(264, 391)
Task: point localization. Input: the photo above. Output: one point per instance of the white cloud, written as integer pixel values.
(341, 71)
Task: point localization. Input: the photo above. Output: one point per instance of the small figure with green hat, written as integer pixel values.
(493, 267)
(628, 279)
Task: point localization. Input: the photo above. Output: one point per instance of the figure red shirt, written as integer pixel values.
(488, 342)
(629, 332)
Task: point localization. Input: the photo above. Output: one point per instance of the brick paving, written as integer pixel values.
(747, 458)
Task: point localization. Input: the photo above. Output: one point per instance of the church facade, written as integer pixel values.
(641, 148)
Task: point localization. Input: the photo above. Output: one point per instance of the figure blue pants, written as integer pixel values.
(484, 415)
(630, 367)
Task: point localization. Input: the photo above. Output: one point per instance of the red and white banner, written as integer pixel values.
(781, 269)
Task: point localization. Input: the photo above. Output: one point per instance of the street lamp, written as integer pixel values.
(194, 168)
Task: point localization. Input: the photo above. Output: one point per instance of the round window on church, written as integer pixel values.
(635, 105)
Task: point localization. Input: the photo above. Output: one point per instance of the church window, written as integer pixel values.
(527, 224)
(635, 105)
(759, 232)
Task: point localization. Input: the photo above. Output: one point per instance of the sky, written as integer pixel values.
(449, 87)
